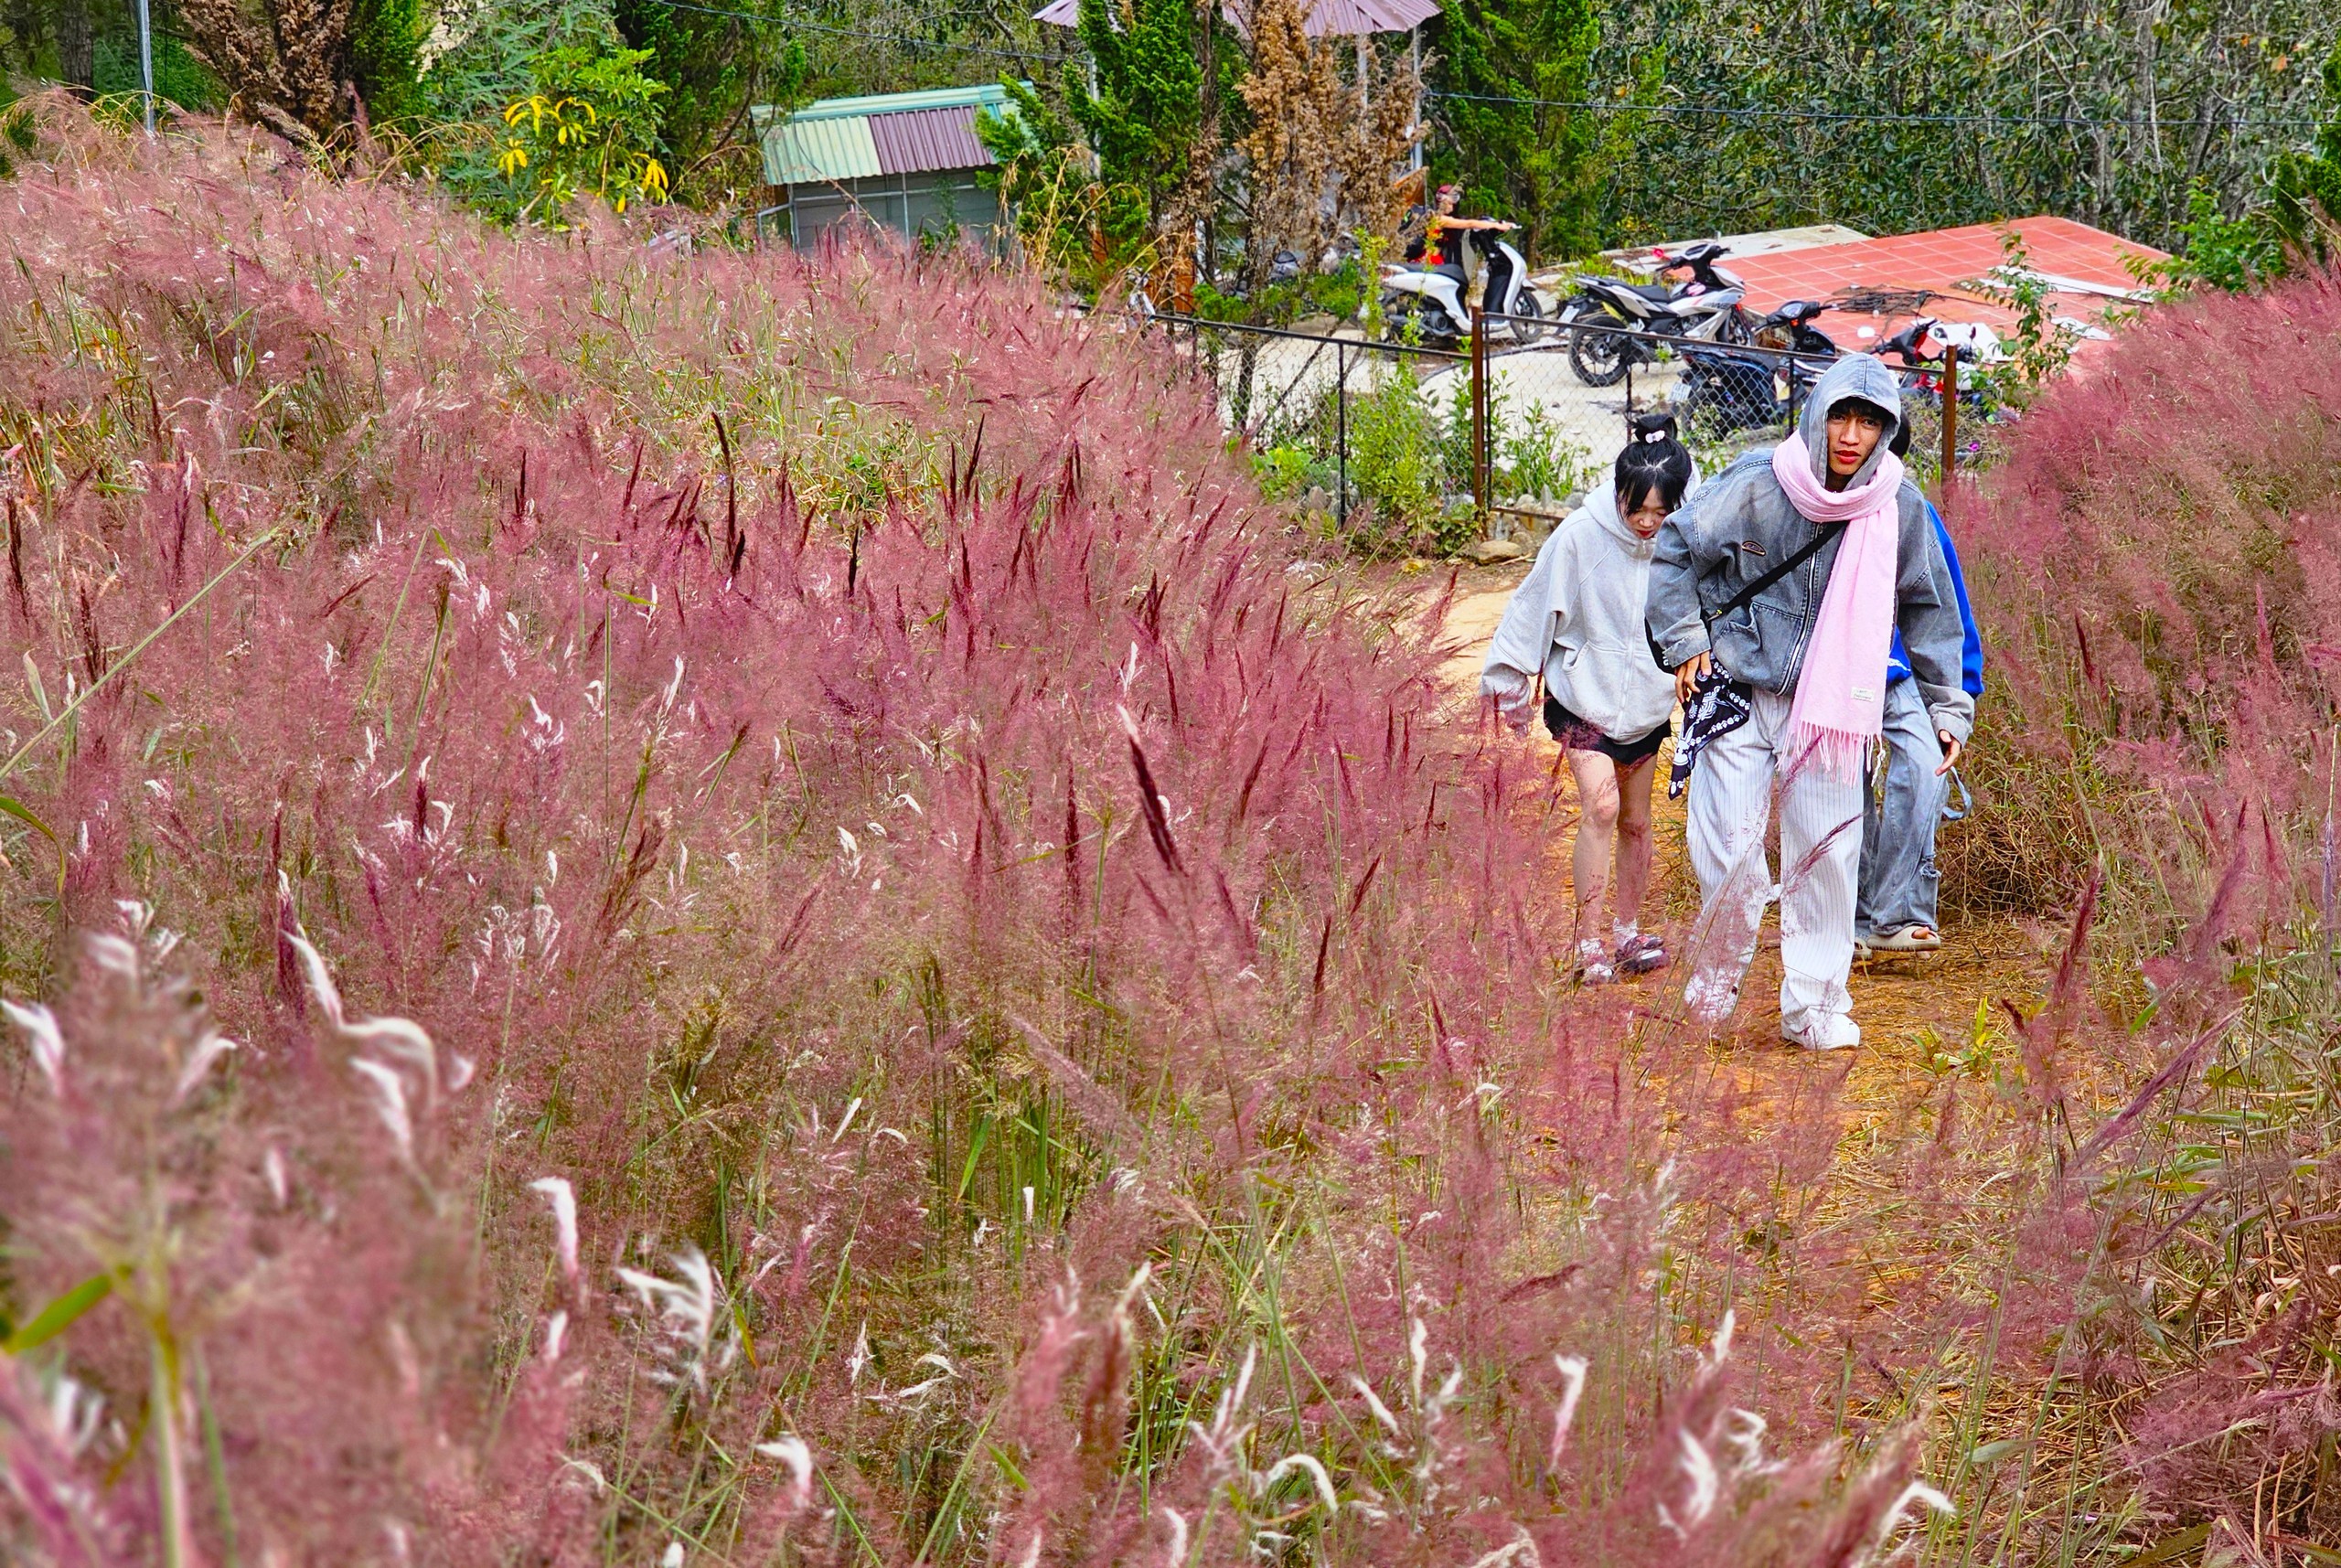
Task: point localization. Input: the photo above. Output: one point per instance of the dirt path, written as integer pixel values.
(1911, 1008)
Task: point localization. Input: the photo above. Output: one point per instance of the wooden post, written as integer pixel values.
(1949, 419)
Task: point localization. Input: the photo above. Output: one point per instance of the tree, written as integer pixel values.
(384, 35)
(1504, 71)
(714, 67)
(1141, 116)
(1097, 169)
(2306, 206)
(1321, 153)
(75, 62)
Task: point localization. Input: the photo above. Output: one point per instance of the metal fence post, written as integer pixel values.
(1342, 433)
(1949, 418)
(1480, 412)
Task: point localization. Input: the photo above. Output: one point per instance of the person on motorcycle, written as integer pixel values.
(1442, 233)
(1577, 620)
(1781, 673)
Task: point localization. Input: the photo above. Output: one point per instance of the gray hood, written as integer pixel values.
(1862, 375)
(1601, 500)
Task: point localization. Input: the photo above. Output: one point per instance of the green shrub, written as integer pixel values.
(1284, 471)
(1397, 464)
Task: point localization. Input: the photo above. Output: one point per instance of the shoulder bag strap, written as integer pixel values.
(1740, 600)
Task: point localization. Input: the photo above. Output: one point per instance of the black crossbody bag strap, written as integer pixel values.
(1741, 600)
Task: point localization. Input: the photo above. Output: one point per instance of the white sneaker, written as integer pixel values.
(1822, 1031)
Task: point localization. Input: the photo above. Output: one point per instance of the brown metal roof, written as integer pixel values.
(916, 141)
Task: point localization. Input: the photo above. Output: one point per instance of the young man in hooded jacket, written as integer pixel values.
(1788, 687)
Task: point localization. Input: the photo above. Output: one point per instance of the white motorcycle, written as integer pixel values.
(1430, 303)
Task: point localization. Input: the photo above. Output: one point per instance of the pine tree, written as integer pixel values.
(383, 38)
(1143, 112)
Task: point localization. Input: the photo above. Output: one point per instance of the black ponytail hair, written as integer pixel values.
(1653, 459)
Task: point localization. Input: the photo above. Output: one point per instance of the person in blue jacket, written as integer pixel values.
(1895, 908)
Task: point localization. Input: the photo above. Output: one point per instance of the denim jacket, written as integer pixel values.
(1741, 523)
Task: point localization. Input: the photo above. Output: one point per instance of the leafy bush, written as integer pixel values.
(587, 130)
(1397, 464)
(1534, 461)
(1284, 471)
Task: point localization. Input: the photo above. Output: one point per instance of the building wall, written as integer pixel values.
(911, 205)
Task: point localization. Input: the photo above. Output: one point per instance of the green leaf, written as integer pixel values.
(11, 806)
(1987, 1453)
(59, 1315)
(23, 813)
(2171, 1546)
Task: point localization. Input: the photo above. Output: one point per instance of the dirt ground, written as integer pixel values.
(1911, 1009)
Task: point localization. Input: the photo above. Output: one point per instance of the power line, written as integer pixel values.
(784, 21)
(1862, 116)
(1598, 106)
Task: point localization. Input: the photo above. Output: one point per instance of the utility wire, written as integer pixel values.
(1594, 106)
(784, 21)
(1857, 115)
(1598, 106)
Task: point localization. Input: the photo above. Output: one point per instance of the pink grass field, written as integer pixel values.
(1046, 1012)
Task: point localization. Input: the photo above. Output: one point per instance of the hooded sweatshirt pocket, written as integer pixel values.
(1613, 686)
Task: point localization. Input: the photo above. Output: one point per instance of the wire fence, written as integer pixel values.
(1408, 448)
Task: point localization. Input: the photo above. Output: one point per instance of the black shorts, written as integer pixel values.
(1575, 734)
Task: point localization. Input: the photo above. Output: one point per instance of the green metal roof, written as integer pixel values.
(830, 139)
(803, 152)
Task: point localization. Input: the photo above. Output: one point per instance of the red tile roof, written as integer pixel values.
(918, 140)
(1948, 261)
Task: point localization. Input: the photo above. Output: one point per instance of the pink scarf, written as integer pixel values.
(1840, 704)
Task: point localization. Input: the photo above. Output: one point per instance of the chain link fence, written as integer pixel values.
(1405, 449)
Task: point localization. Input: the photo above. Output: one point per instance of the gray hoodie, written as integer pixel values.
(1741, 523)
(1577, 617)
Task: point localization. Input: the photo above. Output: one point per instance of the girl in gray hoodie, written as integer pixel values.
(1577, 620)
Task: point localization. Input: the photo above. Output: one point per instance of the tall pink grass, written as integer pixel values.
(1046, 1014)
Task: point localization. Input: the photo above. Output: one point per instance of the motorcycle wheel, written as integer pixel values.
(1528, 319)
(1600, 359)
(1739, 327)
(1701, 412)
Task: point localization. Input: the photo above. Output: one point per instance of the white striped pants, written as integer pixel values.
(1821, 850)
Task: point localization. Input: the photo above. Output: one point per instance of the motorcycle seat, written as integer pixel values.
(1657, 294)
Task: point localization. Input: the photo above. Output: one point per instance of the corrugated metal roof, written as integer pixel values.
(926, 139)
(812, 152)
(840, 138)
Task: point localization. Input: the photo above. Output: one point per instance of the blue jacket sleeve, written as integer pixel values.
(1970, 649)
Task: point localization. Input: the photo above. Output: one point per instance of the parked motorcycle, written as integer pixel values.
(1921, 346)
(1430, 304)
(1790, 328)
(1704, 310)
(1724, 389)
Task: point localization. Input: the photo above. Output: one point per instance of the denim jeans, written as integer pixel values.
(1897, 880)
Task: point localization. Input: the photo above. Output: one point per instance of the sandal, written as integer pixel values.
(1909, 938)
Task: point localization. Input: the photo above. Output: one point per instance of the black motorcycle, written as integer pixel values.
(1725, 390)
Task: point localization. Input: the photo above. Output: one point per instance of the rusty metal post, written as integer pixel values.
(1949, 419)
(1480, 486)
(1341, 434)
